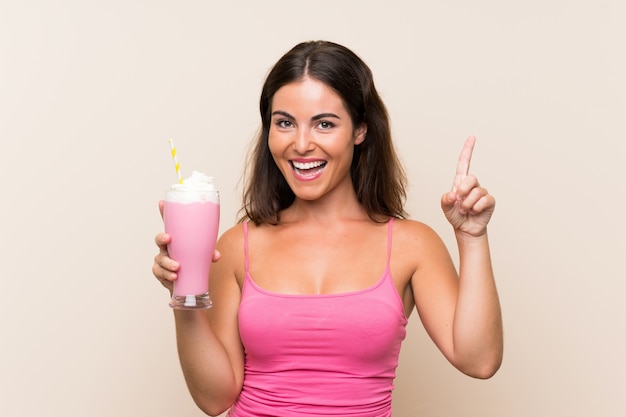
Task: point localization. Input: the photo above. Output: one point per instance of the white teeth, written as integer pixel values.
(307, 165)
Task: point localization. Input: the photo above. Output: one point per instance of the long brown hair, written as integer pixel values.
(378, 177)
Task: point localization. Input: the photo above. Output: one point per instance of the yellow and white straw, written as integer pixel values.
(176, 164)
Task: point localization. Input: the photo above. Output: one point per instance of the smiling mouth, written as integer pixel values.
(308, 169)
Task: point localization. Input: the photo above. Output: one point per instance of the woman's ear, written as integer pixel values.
(359, 134)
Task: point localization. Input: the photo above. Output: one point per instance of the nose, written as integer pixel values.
(303, 141)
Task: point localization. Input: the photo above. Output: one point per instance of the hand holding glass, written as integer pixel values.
(191, 214)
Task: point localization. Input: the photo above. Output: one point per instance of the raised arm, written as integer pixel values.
(209, 347)
(462, 313)
(478, 340)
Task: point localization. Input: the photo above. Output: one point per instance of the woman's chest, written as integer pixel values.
(316, 265)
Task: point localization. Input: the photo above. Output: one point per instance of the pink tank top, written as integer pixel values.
(319, 355)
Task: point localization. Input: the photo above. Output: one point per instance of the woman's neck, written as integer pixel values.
(325, 210)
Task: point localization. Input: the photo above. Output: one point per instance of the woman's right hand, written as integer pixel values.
(164, 268)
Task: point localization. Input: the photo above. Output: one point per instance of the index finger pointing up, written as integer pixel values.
(462, 167)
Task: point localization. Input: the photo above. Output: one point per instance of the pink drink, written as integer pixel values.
(193, 228)
(191, 215)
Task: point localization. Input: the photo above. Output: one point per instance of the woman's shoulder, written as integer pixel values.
(233, 232)
(417, 246)
(413, 232)
(231, 248)
(231, 240)
(412, 226)
(234, 237)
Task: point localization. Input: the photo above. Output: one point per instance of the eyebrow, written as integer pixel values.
(325, 116)
(316, 117)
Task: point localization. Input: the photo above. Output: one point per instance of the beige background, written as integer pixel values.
(90, 91)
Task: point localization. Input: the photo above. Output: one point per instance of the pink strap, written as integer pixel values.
(245, 243)
(389, 235)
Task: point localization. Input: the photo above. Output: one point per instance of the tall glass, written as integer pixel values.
(191, 215)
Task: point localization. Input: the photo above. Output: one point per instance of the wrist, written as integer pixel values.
(470, 239)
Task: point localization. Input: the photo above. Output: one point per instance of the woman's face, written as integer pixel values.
(312, 138)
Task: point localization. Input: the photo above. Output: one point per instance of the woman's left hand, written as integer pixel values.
(468, 206)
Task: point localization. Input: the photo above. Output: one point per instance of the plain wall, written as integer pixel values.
(90, 91)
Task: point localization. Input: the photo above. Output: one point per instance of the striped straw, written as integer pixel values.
(176, 164)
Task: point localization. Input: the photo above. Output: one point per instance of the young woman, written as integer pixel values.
(312, 289)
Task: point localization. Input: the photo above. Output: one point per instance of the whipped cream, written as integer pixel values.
(197, 187)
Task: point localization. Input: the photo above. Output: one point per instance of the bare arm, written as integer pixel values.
(209, 347)
(478, 335)
(462, 314)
